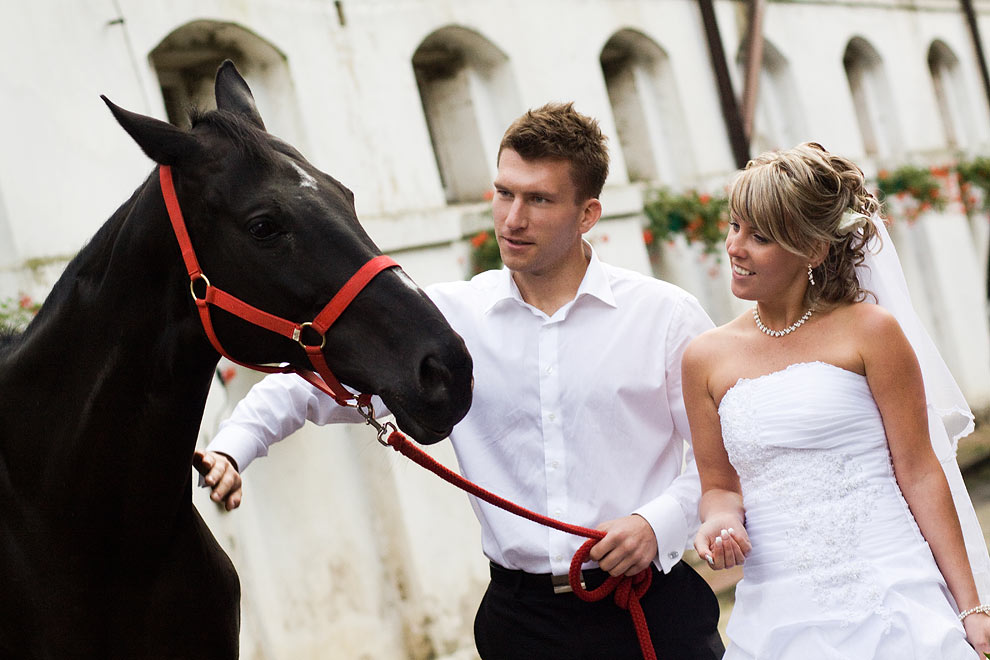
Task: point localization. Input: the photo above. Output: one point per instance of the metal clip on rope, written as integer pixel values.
(368, 412)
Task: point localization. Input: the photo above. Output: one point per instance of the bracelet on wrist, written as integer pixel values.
(983, 609)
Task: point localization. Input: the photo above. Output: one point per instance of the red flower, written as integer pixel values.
(25, 302)
(704, 199)
(228, 374)
(648, 237)
(489, 195)
(479, 239)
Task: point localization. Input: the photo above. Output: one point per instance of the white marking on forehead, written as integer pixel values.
(305, 179)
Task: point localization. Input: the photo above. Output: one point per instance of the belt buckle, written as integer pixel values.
(562, 583)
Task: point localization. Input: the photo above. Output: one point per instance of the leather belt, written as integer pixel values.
(544, 582)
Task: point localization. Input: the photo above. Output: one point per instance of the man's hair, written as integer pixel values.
(558, 131)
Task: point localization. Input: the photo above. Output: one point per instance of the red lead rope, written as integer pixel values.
(628, 590)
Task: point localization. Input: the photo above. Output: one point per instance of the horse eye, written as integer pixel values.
(263, 228)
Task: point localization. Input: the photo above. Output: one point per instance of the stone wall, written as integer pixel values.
(344, 549)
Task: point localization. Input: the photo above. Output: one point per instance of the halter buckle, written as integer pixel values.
(193, 279)
(298, 336)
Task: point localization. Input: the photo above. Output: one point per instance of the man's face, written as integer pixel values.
(538, 221)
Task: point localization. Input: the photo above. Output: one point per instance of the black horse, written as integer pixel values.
(102, 554)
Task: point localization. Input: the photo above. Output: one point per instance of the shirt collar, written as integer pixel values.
(594, 283)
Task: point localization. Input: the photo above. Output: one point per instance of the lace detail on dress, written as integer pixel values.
(825, 498)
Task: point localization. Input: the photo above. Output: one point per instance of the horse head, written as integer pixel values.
(277, 233)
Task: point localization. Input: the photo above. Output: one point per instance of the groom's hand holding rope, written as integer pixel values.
(629, 546)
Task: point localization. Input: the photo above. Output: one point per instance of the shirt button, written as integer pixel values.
(552, 417)
(549, 370)
(559, 558)
(555, 465)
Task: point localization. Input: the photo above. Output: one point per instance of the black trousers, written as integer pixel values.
(521, 620)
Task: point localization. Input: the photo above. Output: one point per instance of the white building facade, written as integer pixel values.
(344, 549)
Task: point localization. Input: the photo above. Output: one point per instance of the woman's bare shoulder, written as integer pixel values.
(868, 318)
(713, 343)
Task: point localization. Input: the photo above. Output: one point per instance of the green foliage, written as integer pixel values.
(918, 186)
(484, 252)
(974, 174)
(700, 218)
(16, 314)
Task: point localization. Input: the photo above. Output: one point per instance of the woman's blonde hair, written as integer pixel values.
(797, 199)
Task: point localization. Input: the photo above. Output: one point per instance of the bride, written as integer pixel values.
(810, 422)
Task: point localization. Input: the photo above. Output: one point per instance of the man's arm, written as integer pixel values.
(273, 409)
(673, 516)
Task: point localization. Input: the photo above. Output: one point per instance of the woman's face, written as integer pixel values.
(762, 269)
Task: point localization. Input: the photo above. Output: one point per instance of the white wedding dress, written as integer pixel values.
(839, 569)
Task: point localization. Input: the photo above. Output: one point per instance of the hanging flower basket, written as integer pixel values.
(910, 190)
(699, 217)
(974, 184)
(484, 252)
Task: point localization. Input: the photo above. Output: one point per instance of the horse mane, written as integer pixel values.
(84, 270)
(253, 143)
(8, 337)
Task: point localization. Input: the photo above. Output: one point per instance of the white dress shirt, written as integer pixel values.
(578, 415)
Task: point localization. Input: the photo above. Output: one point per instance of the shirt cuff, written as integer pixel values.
(239, 444)
(670, 526)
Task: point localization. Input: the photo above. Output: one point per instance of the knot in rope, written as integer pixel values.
(627, 589)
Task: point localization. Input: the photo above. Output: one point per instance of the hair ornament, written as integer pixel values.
(850, 222)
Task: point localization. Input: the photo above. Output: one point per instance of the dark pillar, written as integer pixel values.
(730, 107)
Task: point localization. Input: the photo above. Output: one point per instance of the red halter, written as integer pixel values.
(323, 378)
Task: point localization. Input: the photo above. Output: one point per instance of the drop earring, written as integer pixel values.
(811, 277)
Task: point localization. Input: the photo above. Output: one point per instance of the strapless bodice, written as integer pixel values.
(835, 547)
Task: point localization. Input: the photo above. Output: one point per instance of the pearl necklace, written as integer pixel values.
(779, 333)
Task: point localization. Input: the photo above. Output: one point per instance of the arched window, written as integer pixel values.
(950, 93)
(647, 109)
(187, 59)
(469, 98)
(777, 119)
(872, 99)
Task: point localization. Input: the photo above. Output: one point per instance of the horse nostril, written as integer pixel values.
(434, 377)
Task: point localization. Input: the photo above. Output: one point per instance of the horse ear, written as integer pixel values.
(234, 95)
(162, 142)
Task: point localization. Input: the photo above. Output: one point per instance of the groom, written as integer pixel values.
(577, 414)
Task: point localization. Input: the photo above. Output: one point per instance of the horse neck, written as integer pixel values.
(107, 386)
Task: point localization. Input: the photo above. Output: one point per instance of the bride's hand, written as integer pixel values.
(723, 543)
(978, 631)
